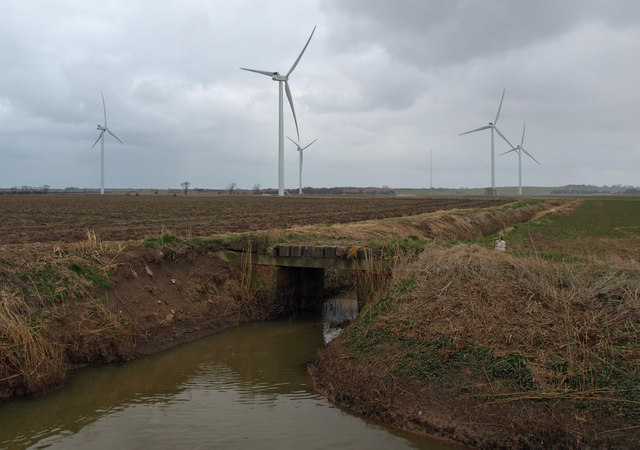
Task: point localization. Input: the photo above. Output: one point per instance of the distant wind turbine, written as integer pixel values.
(492, 126)
(300, 151)
(519, 149)
(102, 129)
(283, 79)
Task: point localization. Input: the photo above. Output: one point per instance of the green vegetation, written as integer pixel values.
(396, 246)
(47, 283)
(597, 227)
(161, 241)
(91, 274)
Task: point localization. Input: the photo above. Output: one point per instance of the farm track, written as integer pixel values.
(68, 217)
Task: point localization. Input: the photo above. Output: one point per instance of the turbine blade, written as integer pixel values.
(499, 107)
(508, 151)
(529, 155)
(99, 136)
(308, 145)
(104, 108)
(486, 127)
(300, 55)
(109, 131)
(297, 145)
(502, 136)
(263, 72)
(286, 88)
(522, 140)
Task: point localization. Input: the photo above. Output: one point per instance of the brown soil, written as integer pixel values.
(173, 298)
(67, 217)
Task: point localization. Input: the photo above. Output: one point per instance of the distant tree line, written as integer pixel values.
(30, 189)
(587, 189)
(333, 191)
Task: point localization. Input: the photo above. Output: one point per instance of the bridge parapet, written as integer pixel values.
(321, 256)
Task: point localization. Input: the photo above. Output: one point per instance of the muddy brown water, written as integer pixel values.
(244, 388)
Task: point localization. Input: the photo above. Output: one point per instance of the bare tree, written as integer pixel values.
(231, 187)
(185, 187)
(256, 189)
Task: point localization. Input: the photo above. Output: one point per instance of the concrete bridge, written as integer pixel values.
(293, 274)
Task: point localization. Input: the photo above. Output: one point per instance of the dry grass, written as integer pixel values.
(50, 316)
(441, 225)
(98, 334)
(28, 358)
(577, 325)
(249, 298)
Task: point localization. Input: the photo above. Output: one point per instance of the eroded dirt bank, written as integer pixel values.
(66, 308)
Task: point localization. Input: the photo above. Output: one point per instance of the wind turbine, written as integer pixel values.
(519, 149)
(300, 150)
(283, 79)
(102, 129)
(492, 126)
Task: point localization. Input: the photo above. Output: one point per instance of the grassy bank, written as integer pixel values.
(537, 347)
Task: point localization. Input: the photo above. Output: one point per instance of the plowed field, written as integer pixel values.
(68, 217)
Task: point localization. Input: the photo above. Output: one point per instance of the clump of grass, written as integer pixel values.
(249, 297)
(46, 283)
(97, 278)
(161, 241)
(99, 335)
(29, 360)
(91, 245)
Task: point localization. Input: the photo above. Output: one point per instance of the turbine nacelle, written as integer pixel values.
(278, 77)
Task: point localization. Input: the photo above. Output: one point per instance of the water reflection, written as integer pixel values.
(244, 388)
(336, 312)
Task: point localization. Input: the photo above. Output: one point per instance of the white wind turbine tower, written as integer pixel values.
(283, 79)
(300, 151)
(519, 149)
(492, 126)
(102, 129)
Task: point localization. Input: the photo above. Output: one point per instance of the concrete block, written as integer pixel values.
(330, 252)
(296, 250)
(352, 252)
(341, 252)
(284, 250)
(318, 252)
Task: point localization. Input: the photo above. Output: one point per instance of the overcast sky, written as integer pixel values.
(383, 84)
